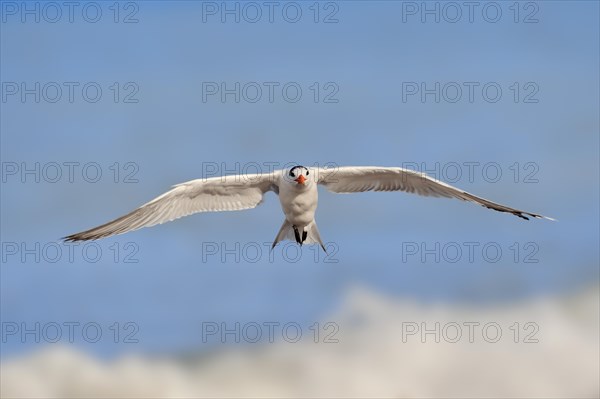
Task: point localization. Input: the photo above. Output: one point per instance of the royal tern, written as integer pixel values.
(298, 195)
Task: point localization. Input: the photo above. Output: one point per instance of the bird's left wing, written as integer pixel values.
(226, 193)
(352, 179)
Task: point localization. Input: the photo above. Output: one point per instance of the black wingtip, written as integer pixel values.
(76, 238)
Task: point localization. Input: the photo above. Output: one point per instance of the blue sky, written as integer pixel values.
(363, 61)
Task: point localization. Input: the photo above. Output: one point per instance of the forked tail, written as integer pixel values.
(308, 235)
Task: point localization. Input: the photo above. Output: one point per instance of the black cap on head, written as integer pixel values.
(294, 168)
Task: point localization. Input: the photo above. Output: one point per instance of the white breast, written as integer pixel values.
(299, 203)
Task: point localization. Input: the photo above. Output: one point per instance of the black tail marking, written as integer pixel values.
(297, 235)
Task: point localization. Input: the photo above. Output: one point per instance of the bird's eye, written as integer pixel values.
(292, 174)
(307, 173)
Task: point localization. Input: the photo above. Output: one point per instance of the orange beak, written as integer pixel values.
(300, 180)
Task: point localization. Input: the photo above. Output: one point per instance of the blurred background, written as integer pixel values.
(106, 105)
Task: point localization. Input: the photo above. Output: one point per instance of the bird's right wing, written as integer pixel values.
(352, 179)
(226, 193)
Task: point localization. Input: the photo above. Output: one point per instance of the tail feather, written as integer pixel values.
(313, 236)
(310, 235)
(286, 232)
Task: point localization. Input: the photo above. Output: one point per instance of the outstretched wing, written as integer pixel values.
(353, 179)
(227, 193)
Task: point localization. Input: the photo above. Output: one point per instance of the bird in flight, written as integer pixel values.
(298, 195)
